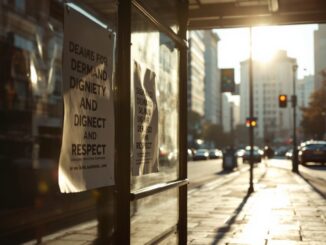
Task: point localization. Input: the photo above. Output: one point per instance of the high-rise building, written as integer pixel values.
(269, 81)
(320, 55)
(305, 87)
(196, 75)
(212, 80)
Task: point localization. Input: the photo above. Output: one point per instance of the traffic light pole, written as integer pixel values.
(295, 167)
(251, 115)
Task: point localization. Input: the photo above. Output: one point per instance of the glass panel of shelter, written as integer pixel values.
(153, 51)
(31, 112)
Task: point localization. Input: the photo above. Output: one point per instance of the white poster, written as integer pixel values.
(87, 151)
(145, 151)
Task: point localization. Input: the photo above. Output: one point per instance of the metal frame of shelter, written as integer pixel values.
(125, 196)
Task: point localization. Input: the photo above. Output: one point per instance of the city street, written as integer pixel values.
(284, 209)
(201, 172)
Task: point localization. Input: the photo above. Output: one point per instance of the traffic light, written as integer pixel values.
(251, 122)
(282, 100)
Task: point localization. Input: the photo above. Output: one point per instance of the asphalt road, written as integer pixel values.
(201, 172)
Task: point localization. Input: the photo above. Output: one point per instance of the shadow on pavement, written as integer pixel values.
(224, 172)
(227, 227)
(319, 167)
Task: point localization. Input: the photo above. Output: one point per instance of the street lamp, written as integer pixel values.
(295, 167)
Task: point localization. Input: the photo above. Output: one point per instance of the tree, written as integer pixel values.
(241, 133)
(211, 133)
(194, 124)
(314, 116)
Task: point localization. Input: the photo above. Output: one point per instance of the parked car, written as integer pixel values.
(289, 154)
(240, 152)
(313, 151)
(281, 151)
(215, 154)
(189, 154)
(257, 154)
(201, 154)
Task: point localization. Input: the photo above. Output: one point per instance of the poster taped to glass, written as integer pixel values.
(87, 151)
(145, 150)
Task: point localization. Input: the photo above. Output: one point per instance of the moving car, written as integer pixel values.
(215, 154)
(201, 154)
(257, 154)
(313, 151)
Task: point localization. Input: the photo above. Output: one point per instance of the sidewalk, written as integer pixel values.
(284, 209)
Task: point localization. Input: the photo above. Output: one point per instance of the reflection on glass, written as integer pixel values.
(153, 216)
(153, 50)
(31, 113)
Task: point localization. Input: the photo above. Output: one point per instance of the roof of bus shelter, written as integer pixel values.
(209, 14)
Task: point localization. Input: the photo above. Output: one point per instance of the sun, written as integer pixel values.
(264, 43)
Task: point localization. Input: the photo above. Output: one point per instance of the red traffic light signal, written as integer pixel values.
(251, 122)
(282, 100)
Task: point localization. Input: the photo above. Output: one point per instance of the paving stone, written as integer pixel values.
(79, 237)
(283, 210)
(65, 242)
(286, 242)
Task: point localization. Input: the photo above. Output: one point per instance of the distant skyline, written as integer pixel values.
(297, 40)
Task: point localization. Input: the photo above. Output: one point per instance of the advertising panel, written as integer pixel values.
(87, 151)
(227, 80)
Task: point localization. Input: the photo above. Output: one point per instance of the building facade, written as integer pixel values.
(269, 81)
(320, 55)
(196, 72)
(305, 87)
(212, 80)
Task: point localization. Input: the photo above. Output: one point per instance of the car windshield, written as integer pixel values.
(201, 151)
(317, 146)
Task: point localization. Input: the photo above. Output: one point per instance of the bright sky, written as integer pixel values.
(297, 40)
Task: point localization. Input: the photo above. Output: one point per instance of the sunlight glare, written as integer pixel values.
(264, 44)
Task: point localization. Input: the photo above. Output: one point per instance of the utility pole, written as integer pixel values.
(295, 167)
(251, 115)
